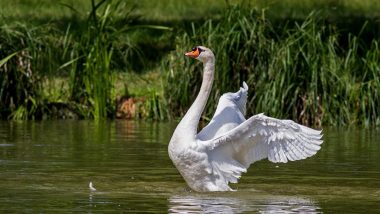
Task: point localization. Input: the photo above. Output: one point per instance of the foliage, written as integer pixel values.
(88, 52)
(298, 71)
(62, 61)
(20, 51)
(91, 50)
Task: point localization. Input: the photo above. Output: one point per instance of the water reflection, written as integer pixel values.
(186, 204)
(259, 203)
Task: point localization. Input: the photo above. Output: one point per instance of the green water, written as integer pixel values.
(45, 167)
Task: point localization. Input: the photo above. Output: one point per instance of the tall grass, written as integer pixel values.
(299, 70)
(97, 51)
(97, 48)
(87, 53)
(91, 77)
(22, 51)
(308, 70)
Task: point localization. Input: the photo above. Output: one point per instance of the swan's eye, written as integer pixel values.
(200, 50)
(194, 48)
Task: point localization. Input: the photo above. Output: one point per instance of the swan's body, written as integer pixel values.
(225, 148)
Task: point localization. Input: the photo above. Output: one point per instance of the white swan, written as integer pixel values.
(225, 148)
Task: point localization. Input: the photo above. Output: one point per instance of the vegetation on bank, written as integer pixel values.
(316, 67)
(306, 71)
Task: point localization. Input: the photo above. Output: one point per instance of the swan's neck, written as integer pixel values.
(189, 123)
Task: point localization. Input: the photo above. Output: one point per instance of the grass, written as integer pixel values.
(300, 64)
(91, 77)
(20, 86)
(299, 70)
(174, 11)
(137, 85)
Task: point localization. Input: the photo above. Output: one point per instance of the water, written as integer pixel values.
(45, 167)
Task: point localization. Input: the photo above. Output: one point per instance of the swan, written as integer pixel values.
(229, 144)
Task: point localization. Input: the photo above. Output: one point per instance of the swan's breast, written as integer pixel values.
(194, 166)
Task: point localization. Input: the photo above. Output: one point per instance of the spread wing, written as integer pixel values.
(259, 137)
(262, 137)
(228, 114)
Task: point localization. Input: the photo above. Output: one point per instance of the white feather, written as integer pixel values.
(92, 188)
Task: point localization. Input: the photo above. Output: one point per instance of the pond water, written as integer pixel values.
(46, 167)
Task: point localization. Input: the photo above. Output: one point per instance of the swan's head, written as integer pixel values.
(201, 53)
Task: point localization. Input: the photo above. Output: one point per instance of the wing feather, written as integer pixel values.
(234, 143)
(262, 137)
(228, 114)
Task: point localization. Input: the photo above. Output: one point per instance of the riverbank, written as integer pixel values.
(316, 63)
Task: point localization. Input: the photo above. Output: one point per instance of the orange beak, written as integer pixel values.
(193, 54)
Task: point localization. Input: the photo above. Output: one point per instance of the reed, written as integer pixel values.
(91, 50)
(88, 53)
(312, 69)
(22, 52)
(300, 70)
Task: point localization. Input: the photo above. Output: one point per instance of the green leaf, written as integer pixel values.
(5, 60)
